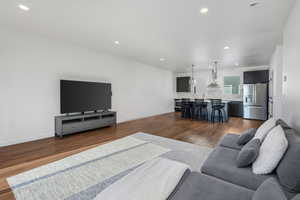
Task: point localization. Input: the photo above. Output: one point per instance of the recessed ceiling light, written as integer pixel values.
(204, 10)
(252, 4)
(162, 59)
(117, 42)
(227, 47)
(237, 64)
(23, 7)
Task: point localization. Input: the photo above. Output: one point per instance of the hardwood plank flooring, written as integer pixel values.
(18, 158)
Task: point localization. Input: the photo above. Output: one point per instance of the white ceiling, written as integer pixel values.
(152, 29)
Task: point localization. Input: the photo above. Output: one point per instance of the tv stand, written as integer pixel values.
(65, 125)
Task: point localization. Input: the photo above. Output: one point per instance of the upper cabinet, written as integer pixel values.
(253, 77)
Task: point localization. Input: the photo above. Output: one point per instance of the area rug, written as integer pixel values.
(84, 175)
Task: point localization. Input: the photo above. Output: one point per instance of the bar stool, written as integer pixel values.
(200, 109)
(217, 106)
(186, 108)
(177, 106)
(204, 111)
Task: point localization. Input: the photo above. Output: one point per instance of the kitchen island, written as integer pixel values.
(209, 110)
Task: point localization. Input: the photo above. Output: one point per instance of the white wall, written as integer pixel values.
(291, 68)
(31, 67)
(276, 85)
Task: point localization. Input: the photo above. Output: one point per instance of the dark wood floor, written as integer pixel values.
(15, 159)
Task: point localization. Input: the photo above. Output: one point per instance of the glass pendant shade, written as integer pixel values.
(214, 76)
(214, 90)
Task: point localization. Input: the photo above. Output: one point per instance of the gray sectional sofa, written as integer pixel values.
(221, 179)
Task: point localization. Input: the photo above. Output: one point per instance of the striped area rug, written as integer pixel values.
(84, 175)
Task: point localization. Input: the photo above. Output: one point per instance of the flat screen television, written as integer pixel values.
(79, 96)
(183, 84)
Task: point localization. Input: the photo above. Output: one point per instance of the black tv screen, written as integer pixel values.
(183, 84)
(78, 96)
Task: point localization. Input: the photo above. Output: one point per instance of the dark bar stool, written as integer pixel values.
(217, 106)
(177, 106)
(186, 108)
(204, 111)
(200, 109)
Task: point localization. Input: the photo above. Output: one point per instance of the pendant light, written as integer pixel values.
(193, 80)
(214, 90)
(214, 76)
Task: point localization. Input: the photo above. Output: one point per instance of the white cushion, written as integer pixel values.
(264, 129)
(271, 151)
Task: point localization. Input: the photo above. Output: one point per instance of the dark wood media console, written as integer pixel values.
(69, 124)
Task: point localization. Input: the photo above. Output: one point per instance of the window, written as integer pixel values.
(231, 84)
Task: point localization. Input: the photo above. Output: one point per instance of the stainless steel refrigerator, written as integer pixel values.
(255, 97)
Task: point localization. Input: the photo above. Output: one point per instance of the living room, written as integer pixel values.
(146, 60)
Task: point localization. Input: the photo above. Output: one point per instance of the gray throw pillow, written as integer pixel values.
(283, 124)
(269, 190)
(288, 169)
(246, 136)
(248, 153)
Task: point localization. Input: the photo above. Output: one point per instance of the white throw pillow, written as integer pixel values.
(264, 129)
(271, 151)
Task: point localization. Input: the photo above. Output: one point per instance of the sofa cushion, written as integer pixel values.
(246, 136)
(288, 169)
(264, 129)
(221, 163)
(297, 197)
(270, 189)
(271, 151)
(248, 154)
(199, 186)
(230, 141)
